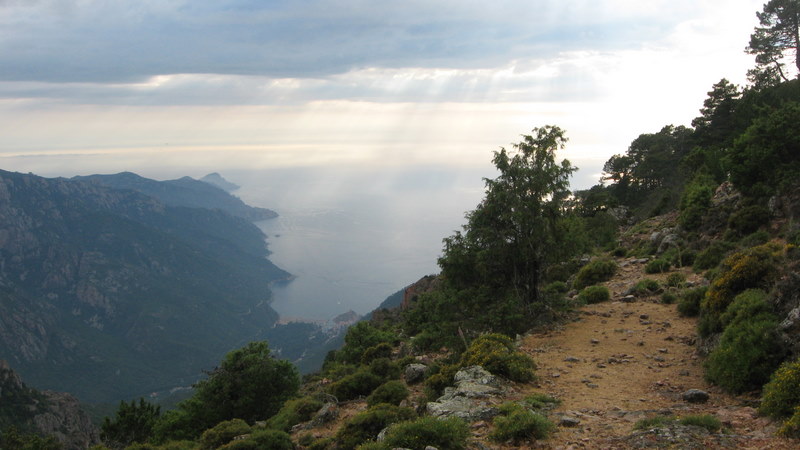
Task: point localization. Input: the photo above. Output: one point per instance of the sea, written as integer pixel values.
(352, 236)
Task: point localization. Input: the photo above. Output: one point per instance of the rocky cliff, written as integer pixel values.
(111, 294)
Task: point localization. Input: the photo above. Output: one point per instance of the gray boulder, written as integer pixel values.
(467, 400)
(415, 373)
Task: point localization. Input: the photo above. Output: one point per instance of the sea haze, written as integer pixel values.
(354, 236)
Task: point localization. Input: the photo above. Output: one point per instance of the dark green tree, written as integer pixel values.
(132, 423)
(776, 39)
(517, 231)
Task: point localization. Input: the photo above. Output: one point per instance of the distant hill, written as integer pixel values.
(184, 191)
(220, 182)
(112, 294)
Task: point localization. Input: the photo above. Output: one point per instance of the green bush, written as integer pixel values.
(359, 338)
(620, 252)
(657, 266)
(668, 298)
(759, 237)
(392, 392)
(645, 287)
(712, 255)
(752, 268)
(519, 424)
(676, 279)
(782, 393)
(557, 287)
(540, 401)
(654, 422)
(689, 303)
(707, 421)
(385, 368)
(748, 352)
(366, 425)
(496, 353)
(293, 412)
(223, 432)
(262, 440)
(791, 428)
(443, 434)
(439, 379)
(594, 294)
(695, 201)
(382, 350)
(361, 383)
(595, 272)
(749, 219)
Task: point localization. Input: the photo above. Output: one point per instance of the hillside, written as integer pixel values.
(109, 294)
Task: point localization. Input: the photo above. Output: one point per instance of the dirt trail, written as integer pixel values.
(619, 362)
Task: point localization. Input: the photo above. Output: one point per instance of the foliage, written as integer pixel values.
(594, 294)
(748, 219)
(791, 428)
(748, 352)
(689, 304)
(382, 350)
(775, 38)
(385, 368)
(668, 298)
(294, 411)
(766, 158)
(755, 267)
(497, 354)
(707, 421)
(249, 384)
(519, 424)
(262, 440)
(518, 229)
(597, 271)
(392, 392)
(695, 201)
(645, 287)
(559, 287)
(367, 424)
(657, 266)
(437, 381)
(712, 255)
(131, 423)
(360, 383)
(12, 439)
(676, 279)
(781, 395)
(540, 401)
(443, 434)
(360, 338)
(654, 422)
(223, 432)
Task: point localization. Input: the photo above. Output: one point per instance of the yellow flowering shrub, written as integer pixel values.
(497, 354)
(782, 394)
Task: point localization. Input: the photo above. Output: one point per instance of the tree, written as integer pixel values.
(131, 423)
(777, 38)
(517, 231)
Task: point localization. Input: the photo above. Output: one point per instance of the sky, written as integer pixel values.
(169, 88)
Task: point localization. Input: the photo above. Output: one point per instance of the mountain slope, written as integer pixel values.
(110, 294)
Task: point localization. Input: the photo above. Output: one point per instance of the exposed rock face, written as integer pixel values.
(425, 284)
(414, 373)
(468, 399)
(47, 413)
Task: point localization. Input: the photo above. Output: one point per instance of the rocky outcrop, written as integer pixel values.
(47, 413)
(412, 293)
(471, 397)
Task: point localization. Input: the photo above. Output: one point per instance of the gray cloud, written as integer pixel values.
(116, 41)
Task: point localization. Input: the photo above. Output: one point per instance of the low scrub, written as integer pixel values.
(657, 266)
(518, 424)
(497, 354)
(594, 294)
(366, 425)
(595, 272)
(689, 301)
(293, 412)
(443, 434)
(782, 393)
(223, 432)
(262, 440)
(392, 392)
(707, 421)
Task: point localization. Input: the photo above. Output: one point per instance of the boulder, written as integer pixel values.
(695, 396)
(467, 399)
(415, 373)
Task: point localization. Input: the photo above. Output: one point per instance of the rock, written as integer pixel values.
(595, 341)
(328, 413)
(628, 298)
(465, 400)
(644, 316)
(567, 421)
(415, 373)
(670, 240)
(695, 396)
(571, 359)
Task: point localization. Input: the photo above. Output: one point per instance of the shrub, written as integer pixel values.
(358, 384)
(749, 219)
(519, 424)
(263, 440)
(382, 350)
(540, 401)
(620, 252)
(712, 255)
(594, 294)
(759, 237)
(359, 338)
(223, 432)
(496, 353)
(676, 279)
(654, 422)
(657, 266)
(747, 353)
(782, 392)
(644, 287)
(438, 380)
(446, 434)
(293, 412)
(385, 368)
(558, 287)
(752, 268)
(689, 304)
(596, 271)
(791, 428)
(707, 421)
(392, 392)
(367, 424)
(668, 298)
